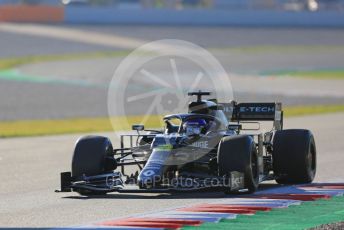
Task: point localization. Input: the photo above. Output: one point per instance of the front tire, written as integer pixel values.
(294, 156)
(239, 153)
(91, 157)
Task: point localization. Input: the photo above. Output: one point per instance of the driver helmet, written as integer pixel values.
(195, 127)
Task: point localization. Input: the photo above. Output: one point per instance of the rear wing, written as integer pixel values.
(255, 112)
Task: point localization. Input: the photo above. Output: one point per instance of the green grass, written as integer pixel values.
(87, 125)
(9, 63)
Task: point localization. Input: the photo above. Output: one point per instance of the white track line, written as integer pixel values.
(75, 35)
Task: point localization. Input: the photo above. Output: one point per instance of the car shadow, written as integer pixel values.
(172, 195)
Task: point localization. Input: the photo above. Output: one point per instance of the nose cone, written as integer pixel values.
(152, 174)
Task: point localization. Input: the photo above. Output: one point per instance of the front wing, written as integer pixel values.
(113, 182)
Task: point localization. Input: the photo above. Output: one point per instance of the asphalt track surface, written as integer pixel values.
(64, 94)
(58, 100)
(29, 174)
(12, 45)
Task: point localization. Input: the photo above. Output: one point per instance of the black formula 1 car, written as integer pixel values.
(206, 148)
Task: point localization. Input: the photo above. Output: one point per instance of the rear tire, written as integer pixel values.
(294, 156)
(90, 159)
(239, 153)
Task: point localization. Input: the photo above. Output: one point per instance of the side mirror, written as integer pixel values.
(138, 127)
